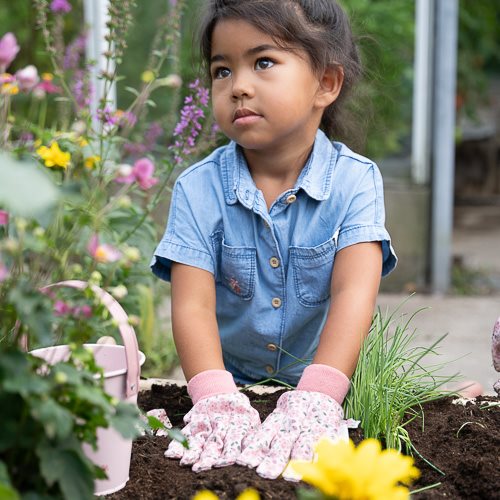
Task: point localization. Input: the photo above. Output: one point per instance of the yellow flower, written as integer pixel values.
(364, 473)
(205, 495)
(91, 161)
(148, 76)
(53, 156)
(47, 77)
(9, 89)
(248, 494)
(82, 142)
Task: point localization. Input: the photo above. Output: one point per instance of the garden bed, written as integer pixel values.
(463, 441)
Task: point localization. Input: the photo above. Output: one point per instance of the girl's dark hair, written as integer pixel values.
(320, 27)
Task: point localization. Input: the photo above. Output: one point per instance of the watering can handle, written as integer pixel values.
(126, 331)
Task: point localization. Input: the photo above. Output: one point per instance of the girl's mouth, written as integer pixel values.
(245, 116)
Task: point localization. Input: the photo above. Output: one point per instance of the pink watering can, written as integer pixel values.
(122, 366)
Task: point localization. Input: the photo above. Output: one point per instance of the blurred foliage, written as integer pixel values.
(479, 52)
(385, 29)
(385, 32)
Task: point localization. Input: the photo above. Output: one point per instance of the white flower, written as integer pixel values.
(27, 77)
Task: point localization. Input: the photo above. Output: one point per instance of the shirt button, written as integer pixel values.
(269, 369)
(291, 198)
(276, 302)
(275, 262)
(271, 347)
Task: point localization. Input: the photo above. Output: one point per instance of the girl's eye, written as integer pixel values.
(220, 73)
(264, 63)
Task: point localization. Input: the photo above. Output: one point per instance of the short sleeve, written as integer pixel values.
(365, 218)
(184, 240)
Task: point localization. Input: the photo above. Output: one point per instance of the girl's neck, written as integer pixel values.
(274, 173)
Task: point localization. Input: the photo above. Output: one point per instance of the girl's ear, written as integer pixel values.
(330, 86)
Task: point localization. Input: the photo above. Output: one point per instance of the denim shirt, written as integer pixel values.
(272, 268)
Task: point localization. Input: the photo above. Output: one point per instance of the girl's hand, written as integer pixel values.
(216, 425)
(301, 418)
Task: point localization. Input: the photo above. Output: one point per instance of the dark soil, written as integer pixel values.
(461, 441)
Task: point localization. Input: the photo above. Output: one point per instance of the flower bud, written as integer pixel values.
(60, 378)
(124, 201)
(119, 292)
(134, 320)
(95, 278)
(132, 254)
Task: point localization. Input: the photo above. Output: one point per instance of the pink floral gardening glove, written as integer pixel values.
(301, 418)
(217, 424)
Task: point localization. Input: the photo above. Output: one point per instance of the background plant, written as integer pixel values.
(46, 416)
(114, 171)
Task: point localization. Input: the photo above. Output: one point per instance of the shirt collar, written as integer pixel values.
(315, 178)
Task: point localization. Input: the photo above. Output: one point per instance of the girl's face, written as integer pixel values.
(264, 97)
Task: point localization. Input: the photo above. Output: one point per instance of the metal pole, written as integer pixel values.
(443, 143)
(422, 91)
(96, 16)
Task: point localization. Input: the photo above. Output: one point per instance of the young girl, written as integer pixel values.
(275, 243)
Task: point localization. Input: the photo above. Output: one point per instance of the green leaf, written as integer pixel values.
(68, 467)
(19, 374)
(7, 492)
(178, 436)
(24, 189)
(127, 420)
(56, 420)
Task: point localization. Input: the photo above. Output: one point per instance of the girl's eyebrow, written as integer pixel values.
(249, 52)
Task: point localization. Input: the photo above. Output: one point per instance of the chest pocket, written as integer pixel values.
(312, 271)
(237, 269)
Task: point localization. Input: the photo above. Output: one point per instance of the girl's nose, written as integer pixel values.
(242, 87)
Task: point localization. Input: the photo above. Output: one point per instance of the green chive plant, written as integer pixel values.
(393, 380)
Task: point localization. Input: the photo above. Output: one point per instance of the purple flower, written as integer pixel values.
(189, 126)
(8, 50)
(107, 116)
(82, 88)
(142, 173)
(74, 52)
(60, 6)
(125, 118)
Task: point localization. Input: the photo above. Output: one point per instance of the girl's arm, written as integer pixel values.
(194, 322)
(355, 283)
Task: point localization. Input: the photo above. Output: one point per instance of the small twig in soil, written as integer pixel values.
(425, 488)
(469, 423)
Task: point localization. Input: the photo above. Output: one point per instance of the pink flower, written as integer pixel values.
(60, 6)
(84, 311)
(103, 253)
(61, 308)
(27, 77)
(142, 173)
(8, 50)
(4, 218)
(48, 87)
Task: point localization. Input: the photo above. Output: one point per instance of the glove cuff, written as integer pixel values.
(210, 383)
(325, 379)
